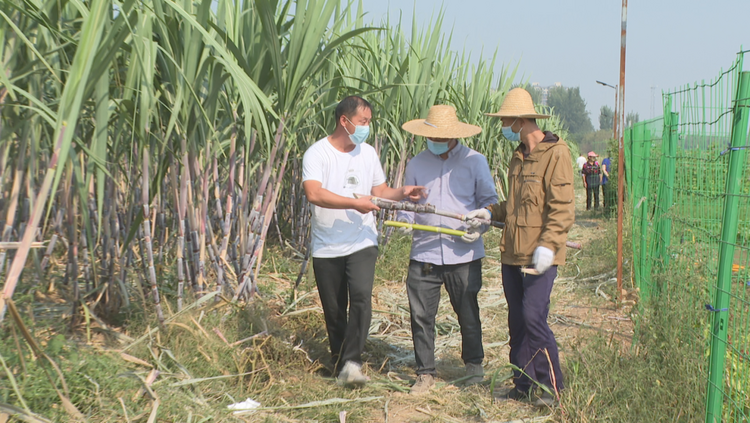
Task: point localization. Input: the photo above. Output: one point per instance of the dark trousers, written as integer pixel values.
(423, 285)
(609, 196)
(592, 192)
(346, 281)
(532, 344)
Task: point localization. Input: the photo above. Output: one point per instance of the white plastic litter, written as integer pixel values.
(248, 404)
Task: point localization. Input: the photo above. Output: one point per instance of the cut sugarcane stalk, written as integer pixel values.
(427, 228)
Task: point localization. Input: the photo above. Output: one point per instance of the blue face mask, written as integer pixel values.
(360, 133)
(510, 135)
(438, 148)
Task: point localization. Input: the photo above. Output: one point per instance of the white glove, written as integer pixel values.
(477, 214)
(542, 259)
(404, 231)
(471, 236)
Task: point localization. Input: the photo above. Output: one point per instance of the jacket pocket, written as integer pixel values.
(527, 235)
(531, 189)
(532, 200)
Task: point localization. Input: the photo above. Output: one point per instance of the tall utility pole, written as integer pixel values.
(621, 152)
(614, 118)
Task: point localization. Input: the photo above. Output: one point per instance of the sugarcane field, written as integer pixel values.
(368, 211)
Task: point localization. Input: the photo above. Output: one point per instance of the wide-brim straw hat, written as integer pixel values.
(518, 104)
(441, 122)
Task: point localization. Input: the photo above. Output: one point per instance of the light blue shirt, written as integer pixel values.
(459, 184)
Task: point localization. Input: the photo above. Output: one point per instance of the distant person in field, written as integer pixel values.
(607, 200)
(457, 179)
(580, 161)
(344, 236)
(592, 180)
(538, 213)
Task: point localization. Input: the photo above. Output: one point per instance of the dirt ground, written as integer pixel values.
(582, 305)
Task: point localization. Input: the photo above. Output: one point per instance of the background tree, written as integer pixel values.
(536, 92)
(571, 107)
(631, 119)
(606, 118)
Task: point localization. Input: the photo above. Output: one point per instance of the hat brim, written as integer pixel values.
(419, 128)
(524, 116)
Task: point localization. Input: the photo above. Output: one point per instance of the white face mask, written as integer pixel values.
(509, 134)
(360, 133)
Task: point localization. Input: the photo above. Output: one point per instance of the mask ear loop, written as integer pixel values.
(355, 126)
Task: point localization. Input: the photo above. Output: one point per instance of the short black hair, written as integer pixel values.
(348, 106)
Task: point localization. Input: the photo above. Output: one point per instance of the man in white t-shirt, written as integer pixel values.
(344, 236)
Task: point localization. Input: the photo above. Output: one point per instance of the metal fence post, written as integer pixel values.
(737, 162)
(644, 150)
(667, 175)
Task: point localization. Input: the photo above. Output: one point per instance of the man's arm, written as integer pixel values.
(321, 197)
(484, 189)
(583, 177)
(414, 193)
(498, 212)
(560, 208)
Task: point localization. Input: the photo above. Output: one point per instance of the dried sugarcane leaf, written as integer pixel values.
(135, 360)
(7, 410)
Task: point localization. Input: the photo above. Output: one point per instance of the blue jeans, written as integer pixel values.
(423, 286)
(532, 344)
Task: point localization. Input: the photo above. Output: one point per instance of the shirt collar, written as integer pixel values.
(455, 150)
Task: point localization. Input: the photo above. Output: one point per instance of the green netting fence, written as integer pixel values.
(689, 194)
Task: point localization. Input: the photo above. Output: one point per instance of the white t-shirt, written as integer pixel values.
(337, 233)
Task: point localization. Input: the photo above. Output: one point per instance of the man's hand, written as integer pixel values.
(414, 193)
(472, 216)
(542, 259)
(471, 236)
(364, 205)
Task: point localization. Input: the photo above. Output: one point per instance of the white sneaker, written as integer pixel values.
(351, 375)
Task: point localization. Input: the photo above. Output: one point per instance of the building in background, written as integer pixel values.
(545, 90)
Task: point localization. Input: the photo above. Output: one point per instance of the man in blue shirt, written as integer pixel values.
(607, 201)
(457, 179)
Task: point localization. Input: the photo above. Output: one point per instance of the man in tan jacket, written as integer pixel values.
(538, 214)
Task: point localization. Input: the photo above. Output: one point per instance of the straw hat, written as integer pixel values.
(441, 122)
(518, 104)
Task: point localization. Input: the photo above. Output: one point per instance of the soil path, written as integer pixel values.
(581, 307)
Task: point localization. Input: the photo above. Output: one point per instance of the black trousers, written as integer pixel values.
(592, 192)
(346, 282)
(533, 348)
(423, 286)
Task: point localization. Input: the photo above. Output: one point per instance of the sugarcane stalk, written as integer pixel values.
(10, 216)
(386, 204)
(147, 235)
(427, 228)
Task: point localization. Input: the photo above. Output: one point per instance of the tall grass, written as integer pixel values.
(154, 147)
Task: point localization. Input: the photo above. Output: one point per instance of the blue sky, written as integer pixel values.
(575, 42)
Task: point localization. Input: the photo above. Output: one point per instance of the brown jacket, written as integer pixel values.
(540, 209)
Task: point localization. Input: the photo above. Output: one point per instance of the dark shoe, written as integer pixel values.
(475, 374)
(423, 384)
(515, 395)
(545, 400)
